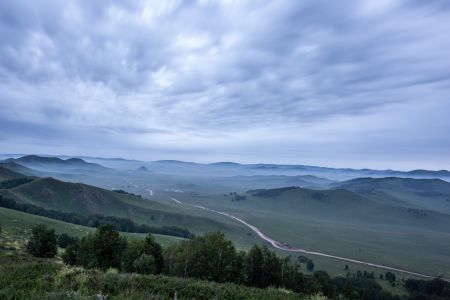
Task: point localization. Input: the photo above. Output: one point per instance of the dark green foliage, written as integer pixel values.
(103, 250)
(209, 257)
(145, 264)
(11, 183)
(31, 278)
(137, 248)
(271, 192)
(310, 265)
(126, 193)
(65, 240)
(239, 198)
(70, 256)
(390, 277)
(42, 242)
(302, 259)
(121, 224)
(437, 289)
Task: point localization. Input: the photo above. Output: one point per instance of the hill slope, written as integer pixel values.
(87, 200)
(429, 194)
(7, 174)
(55, 164)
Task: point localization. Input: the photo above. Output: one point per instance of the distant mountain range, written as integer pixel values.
(215, 169)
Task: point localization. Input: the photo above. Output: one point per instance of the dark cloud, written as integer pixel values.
(220, 75)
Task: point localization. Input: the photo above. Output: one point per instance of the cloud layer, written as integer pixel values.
(343, 83)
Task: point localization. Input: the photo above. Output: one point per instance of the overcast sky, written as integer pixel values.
(330, 83)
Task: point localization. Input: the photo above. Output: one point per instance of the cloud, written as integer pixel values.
(211, 75)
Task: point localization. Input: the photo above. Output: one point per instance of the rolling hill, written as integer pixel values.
(7, 174)
(85, 199)
(427, 194)
(55, 164)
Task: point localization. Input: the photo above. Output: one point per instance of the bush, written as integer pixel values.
(42, 242)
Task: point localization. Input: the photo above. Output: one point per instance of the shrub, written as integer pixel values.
(42, 242)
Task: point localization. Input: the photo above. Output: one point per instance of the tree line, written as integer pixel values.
(12, 183)
(96, 220)
(214, 258)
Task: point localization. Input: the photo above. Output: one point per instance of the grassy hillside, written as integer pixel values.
(430, 194)
(16, 228)
(85, 199)
(344, 223)
(7, 174)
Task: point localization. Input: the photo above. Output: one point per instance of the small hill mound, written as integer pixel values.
(143, 169)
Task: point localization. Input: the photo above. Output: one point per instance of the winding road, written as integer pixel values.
(285, 247)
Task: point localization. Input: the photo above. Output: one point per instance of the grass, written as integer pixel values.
(401, 245)
(86, 199)
(16, 227)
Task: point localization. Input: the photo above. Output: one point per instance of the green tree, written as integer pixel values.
(310, 265)
(137, 248)
(145, 264)
(213, 257)
(70, 256)
(42, 242)
(108, 247)
(65, 240)
(102, 249)
(254, 266)
(347, 289)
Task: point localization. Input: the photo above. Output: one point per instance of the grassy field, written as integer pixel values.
(402, 245)
(16, 228)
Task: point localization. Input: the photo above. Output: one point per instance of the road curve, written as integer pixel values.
(285, 247)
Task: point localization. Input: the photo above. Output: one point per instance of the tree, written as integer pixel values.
(347, 289)
(390, 277)
(42, 242)
(145, 264)
(137, 248)
(65, 240)
(213, 258)
(108, 247)
(103, 249)
(70, 256)
(310, 265)
(254, 267)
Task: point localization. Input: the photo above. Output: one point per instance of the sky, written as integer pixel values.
(329, 83)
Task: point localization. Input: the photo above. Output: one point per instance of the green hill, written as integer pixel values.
(7, 174)
(428, 194)
(85, 199)
(16, 228)
(345, 206)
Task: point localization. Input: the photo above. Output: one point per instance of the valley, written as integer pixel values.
(385, 221)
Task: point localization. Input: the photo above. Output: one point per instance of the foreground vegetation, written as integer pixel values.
(104, 265)
(30, 278)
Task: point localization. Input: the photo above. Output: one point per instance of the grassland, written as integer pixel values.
(410, 243)
(16, 228)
